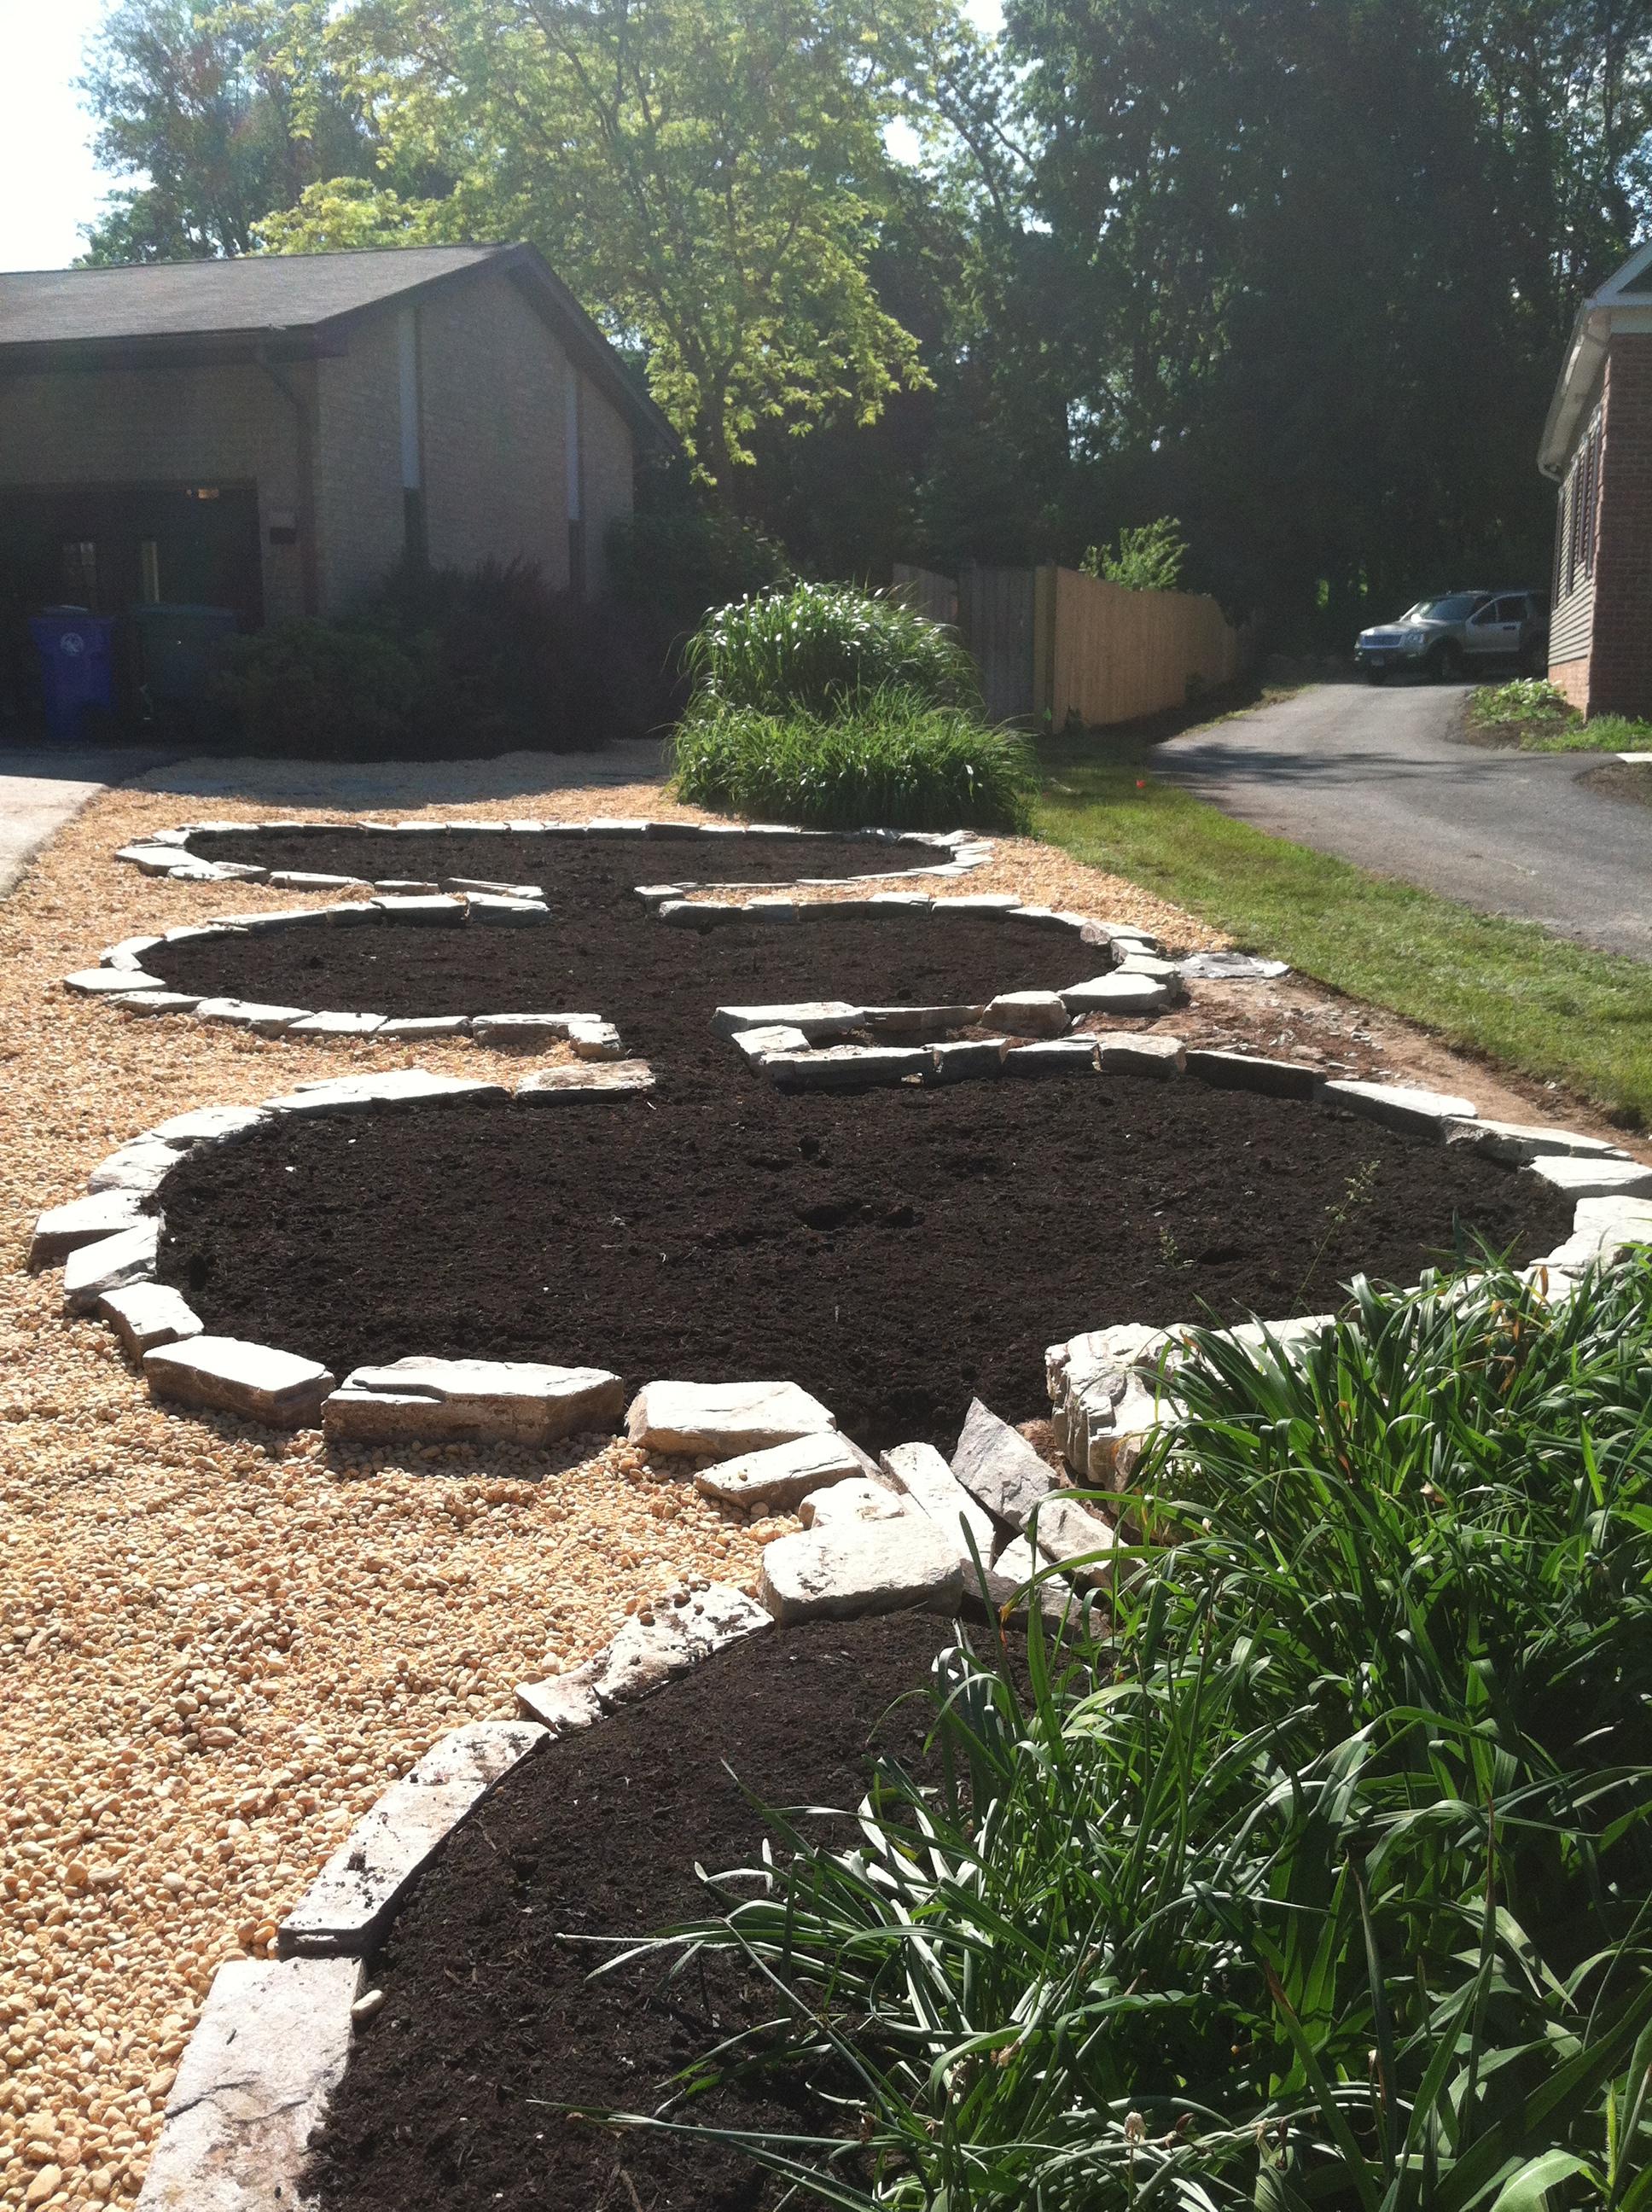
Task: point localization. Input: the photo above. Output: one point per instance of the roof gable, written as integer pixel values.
(251, 293)
(280, 304)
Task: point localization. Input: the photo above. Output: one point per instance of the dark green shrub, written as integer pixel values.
(313, 687)
(818, 646)
(889, 759)
(444, 664)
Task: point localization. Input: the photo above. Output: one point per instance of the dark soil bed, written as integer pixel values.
(893, 1251)
(489, 2021)
(532, 857)
(659, 983)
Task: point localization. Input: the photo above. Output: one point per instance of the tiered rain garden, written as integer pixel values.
(1336, 1624)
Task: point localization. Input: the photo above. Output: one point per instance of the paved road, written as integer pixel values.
(1373, 775)
(42, 787)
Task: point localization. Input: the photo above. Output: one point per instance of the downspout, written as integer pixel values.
(309, 573)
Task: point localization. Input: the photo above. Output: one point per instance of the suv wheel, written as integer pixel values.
(1443, 664)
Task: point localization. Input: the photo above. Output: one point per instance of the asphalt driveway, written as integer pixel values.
(1376, 776)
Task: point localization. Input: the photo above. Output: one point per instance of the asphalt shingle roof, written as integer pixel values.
(258, 292)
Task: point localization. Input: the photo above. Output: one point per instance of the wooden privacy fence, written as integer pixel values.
(1053, 644)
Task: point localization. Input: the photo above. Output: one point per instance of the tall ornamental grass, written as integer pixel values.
(887, 758)
(816, 648)
(1318, 1875)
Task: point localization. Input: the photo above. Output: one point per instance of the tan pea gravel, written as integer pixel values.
(218, 1643)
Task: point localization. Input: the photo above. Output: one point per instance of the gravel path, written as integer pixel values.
(217, 1644)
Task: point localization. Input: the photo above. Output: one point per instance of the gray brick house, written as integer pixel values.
(270, 433)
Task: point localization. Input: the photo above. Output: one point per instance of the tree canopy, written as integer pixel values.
(1296, 271)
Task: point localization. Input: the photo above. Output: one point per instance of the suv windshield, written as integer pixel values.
(1456, 607)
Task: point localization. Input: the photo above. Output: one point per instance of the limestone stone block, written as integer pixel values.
(610, 1079)
(127, 1256)
(1592, 1178)
(848, 1067)
(1141, 1055)
(919, 1021)
(411, 1028)
(594, 1039)
(144, 1315)
(679, 1632)
(1074, 1055)
(227, 1373)
(129, 952)
(721, 1420)
(248, 1014)
(1232, 967)
(779, 1477)
(1517, 1142)
(860, 1567)
(1027, 1013)
(489, 887)
(1000, 1468)
(207, 1125)
(758, 1047)
(1414, 1112)
(301, 879)
(430, 910)
(860, 1498)
(140, 1167)
(351, 1899)
(1123, 996)
(94, 982)
(399, 1086)
(487, 1400)
(62, 1230)
(155, 1002)
(816, 1018)
(1009, 1578)
(253, 2085)
(502, 913)
(967, 1059)
(1072, 1538)
(919, 1473)
(562, 1703)
(994, 905)
(701, 914)
(337, 1025)
(523, 1029)
(1247, 1071)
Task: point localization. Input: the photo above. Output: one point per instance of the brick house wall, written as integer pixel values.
(1600, 648)
(330, 449)
(492, 382)
(359, 509)
(172, 425)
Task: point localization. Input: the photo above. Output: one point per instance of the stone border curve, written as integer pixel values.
(274, 2038)
(167, 852)
(1138, 983)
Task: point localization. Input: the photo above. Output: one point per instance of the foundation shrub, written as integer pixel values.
(446, 662)
(1314, 1870)
(889, 759)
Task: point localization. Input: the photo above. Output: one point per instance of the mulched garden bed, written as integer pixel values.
(531, 856)
(895, 1252)
(489, 2021)
(607, 953)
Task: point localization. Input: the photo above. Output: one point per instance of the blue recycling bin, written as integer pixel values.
(78, 664)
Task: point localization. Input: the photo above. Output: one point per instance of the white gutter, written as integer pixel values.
(1588, 343)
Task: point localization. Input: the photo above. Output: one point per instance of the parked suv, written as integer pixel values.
(1459, 633)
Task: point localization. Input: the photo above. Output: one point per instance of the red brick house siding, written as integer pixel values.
(1600, 647)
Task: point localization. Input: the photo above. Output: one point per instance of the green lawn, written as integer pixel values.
(1551, 1009)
